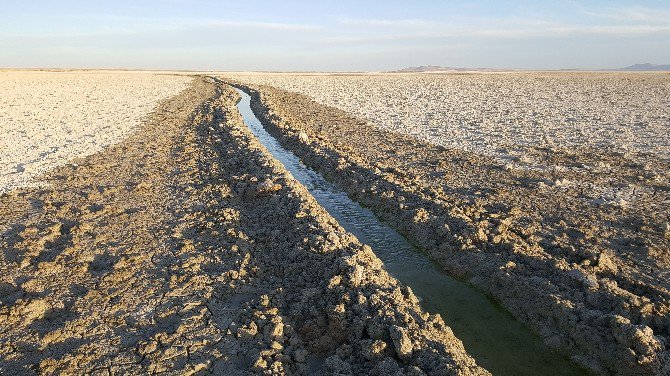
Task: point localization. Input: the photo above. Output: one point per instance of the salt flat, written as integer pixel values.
(502, 115)
(48, 118)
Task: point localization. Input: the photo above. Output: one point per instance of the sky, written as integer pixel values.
(343, 35)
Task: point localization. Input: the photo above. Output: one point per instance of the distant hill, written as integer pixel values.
(645, 67)
(436, 68)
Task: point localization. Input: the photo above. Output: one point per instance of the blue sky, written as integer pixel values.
(333, 35)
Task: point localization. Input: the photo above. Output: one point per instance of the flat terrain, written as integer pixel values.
(503, 114)
(574, 244)
(49, 118)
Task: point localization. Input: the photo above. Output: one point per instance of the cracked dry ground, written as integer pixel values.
(186, 249)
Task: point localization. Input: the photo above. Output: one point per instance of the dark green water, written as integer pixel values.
(491, 335)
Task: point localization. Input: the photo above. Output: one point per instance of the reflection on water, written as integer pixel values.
(492, 336)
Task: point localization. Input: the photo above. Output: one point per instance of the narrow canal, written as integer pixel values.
(491, 335)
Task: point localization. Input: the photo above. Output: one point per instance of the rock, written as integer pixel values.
(356, 276)
(373, 350)
(267, 187)
(562, 183)
(260, 365)
(277, 368)
(248, 331)
(481, 235)
(421, 215)
(276, 331)
(606, 262)
(588, 280)
(147, 347)
(35, 310)
(401, 342)
(302, 137)
(409, 293)
(334, 282)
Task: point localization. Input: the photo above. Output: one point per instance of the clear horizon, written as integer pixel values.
(343, 36)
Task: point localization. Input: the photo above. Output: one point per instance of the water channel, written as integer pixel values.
(491, 335)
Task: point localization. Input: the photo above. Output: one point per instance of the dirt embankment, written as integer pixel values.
(187, 249)
(591, 279)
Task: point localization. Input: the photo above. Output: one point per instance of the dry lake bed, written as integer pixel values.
(147, 227)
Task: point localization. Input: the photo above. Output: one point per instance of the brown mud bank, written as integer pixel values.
(187, 249)
(591, 278)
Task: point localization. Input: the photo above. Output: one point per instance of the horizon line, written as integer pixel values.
(395, 71)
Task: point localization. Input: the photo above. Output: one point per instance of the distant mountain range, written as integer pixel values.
(647, 67)
(436, 68)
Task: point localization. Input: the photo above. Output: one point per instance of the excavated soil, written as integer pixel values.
(186, 249)
(592, 278)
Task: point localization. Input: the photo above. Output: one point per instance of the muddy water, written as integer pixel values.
(492, 336)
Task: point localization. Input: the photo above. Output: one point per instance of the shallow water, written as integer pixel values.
(492, 336)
